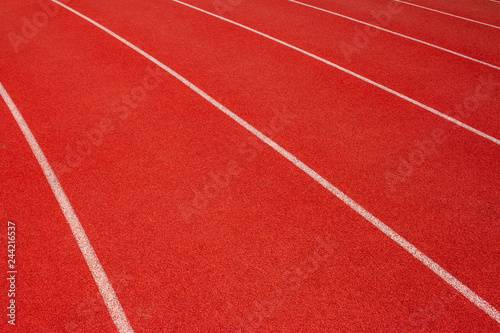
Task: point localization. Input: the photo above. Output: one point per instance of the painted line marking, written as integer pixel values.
(441, 272)
(444, 13)
(400, 35)
(101, 279)
(345, 70)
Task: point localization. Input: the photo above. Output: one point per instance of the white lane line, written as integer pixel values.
(101, 279)
(400, 35)
(444, 13)
(495, 1)
(389, 90)
(441, 272)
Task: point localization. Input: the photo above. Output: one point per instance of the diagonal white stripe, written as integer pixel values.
(101, 279)
(400, 35)
(453, 15)
(441, 272)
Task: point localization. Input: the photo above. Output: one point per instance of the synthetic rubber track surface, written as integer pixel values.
(202, 227)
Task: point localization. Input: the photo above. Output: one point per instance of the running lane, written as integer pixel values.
(342, 134)
(426, 181)
(230, 260)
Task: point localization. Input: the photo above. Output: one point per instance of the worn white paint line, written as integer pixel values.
(101, 279)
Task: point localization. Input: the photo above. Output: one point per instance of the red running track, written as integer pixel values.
(201, 227)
